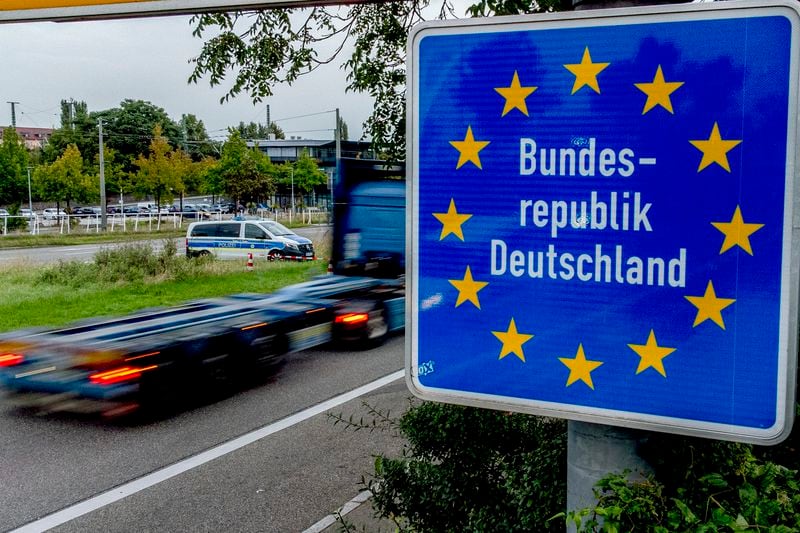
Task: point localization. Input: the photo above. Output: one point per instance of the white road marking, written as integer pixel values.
(329, 520)
(132, 487)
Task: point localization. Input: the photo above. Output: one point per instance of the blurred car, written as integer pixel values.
(131, 210)
(4, 213)
(192, 211)
(25, 212)
(51, 213)
(224, 208)
(86, 211)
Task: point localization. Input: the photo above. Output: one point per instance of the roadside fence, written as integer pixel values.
(144, 222)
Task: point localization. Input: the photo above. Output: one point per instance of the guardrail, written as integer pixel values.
(66, 224)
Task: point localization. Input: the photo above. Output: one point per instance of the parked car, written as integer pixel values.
(224, 208)
(4, 213)
(131, 210)
(86, 211)
(51, 213)
(192, 211)
(25, 212)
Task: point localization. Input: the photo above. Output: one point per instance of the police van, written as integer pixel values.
(234, 239)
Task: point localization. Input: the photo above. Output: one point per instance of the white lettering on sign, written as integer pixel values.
(599, 265)
(587, 161)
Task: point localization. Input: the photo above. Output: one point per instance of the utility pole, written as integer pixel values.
(13, 114)
(338, 138)
(30, 199)
(102, 177)
(269, 137)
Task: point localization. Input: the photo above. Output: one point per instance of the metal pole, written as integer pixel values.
(30, 199)
(292, 212)
(594, 451)
(13, 114)
(102, 178)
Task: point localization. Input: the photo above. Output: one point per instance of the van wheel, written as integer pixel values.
(274, 255)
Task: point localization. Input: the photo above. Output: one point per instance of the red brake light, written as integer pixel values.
(118, 375)
(352, 318)
(11, 359)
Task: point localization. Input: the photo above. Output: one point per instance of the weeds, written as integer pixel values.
(129, 263)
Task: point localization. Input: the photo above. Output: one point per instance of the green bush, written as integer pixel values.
(128, 263)
(698, 485)
(470, 469)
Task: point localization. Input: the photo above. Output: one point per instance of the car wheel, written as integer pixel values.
(274, 255)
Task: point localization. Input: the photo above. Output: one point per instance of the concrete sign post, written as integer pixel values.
(601, 216)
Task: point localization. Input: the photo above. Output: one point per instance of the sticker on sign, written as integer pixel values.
(602, 203)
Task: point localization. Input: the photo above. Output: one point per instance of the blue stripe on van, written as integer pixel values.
(235, 244)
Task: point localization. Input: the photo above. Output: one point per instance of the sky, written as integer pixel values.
(105, 62)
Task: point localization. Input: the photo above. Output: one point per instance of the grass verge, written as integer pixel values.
(32, 241)
(131, 278)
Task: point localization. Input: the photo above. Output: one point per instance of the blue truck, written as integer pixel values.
(158, 356)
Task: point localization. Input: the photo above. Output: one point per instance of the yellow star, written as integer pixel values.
(709, 306)
(715, 149)
(580, 368)
(451, 221)
(586, 72)
(737, 233)
(515, 96)
(658, 92)
(512, 341)
(468, 288)
(652, 355)
(468, 149)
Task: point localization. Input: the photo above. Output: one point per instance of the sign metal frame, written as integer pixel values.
(73, 10)
(790, 263)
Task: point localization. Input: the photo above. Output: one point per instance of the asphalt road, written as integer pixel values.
(86, 252)
(283, 482)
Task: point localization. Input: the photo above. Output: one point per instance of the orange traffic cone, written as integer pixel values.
(250, 261)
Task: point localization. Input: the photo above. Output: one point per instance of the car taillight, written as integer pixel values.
(119, 375)
(352, 318)
(11, 359)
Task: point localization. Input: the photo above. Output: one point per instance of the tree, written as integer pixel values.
(64, 180)
(302, 176)
(117, 180)
(13, 168)
(79, 128)
(254, 130)
(342, 125)
(129, 129)
(195, 139)
(278, 46)
(160, 174)
(245, 174)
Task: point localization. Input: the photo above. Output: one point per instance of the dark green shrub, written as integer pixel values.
(467, 469)
(699, 485)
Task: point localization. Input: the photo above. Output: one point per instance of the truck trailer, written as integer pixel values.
(117, 365)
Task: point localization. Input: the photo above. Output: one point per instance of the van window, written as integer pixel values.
(251, 231)
(216, 230)
(275, 228)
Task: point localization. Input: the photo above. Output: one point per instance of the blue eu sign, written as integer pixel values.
(601, 212)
